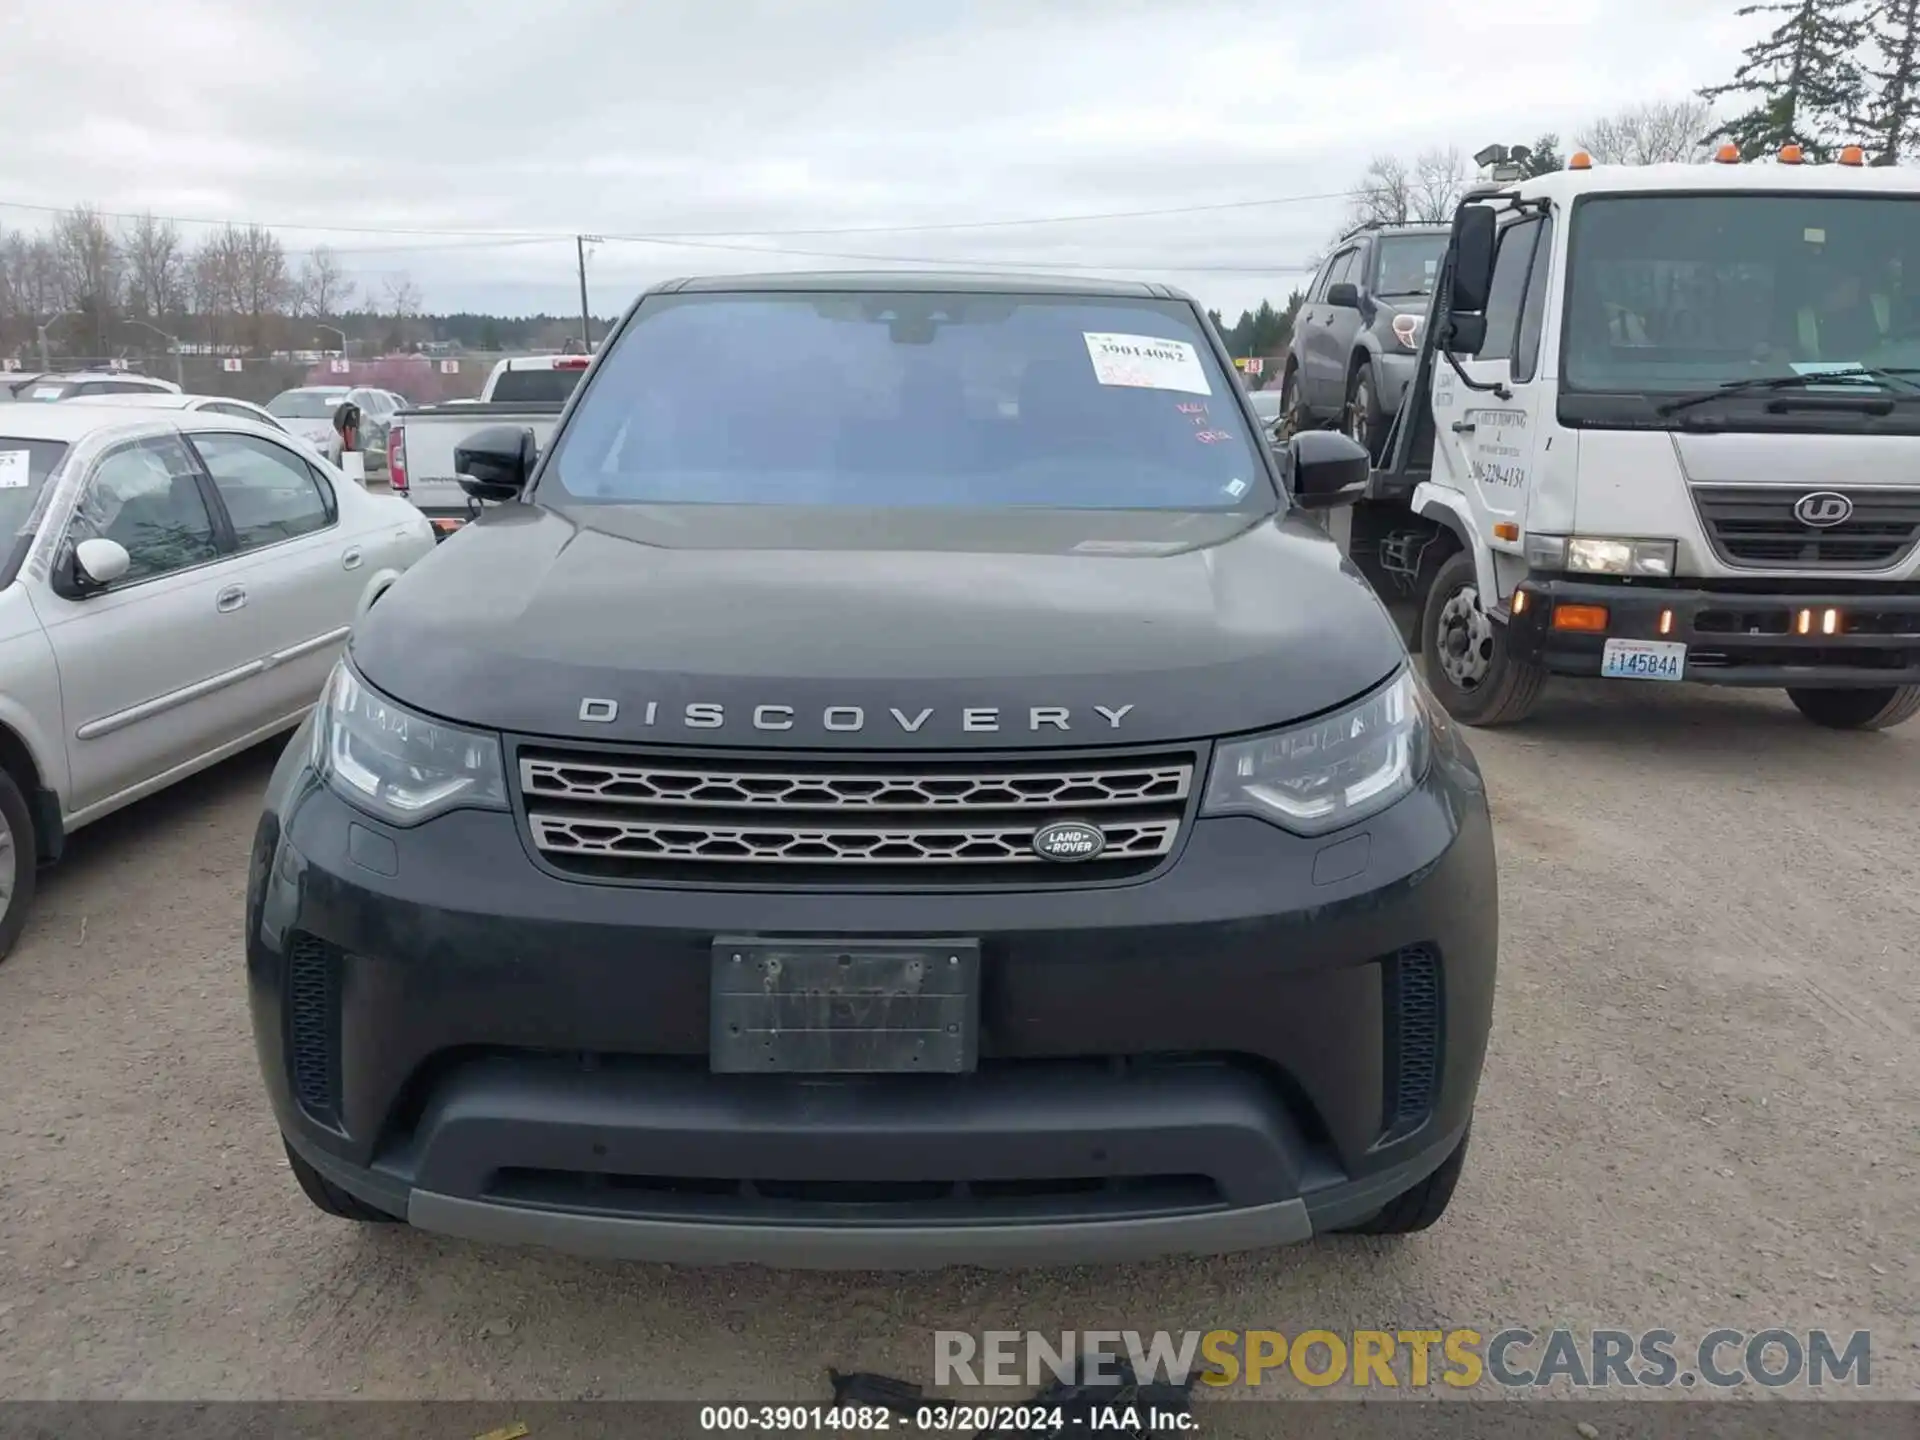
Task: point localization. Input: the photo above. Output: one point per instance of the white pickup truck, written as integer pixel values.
(527, 390)
(1666, 427)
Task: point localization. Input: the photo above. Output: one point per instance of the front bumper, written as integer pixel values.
(1274, 1037)
(1737, 636)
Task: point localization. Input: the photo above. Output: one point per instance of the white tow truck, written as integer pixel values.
(526, 391)
(1665, 427)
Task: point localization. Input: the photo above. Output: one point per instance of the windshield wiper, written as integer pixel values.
(1863, 376)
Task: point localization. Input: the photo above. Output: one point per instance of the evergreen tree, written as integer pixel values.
(1545, 157)
(1805, 77)
(1893, 73)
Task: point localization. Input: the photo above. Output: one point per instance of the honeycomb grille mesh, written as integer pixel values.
(313, 1011)
(625, 814)
(1415, 1017)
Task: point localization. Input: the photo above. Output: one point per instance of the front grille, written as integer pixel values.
(639, 816)
(1413, 1035)
(1753, 526)
(313, 1024)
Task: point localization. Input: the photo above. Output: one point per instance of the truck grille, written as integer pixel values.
(644, 816)
(1754, 527)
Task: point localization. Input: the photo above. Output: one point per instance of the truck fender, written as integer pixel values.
(1448, 508)
(377, 585)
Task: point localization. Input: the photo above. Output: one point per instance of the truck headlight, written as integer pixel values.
(396, 765)
(1406, 329)
(1330, 772)
(1601, 555)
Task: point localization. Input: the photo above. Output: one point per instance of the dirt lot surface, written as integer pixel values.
(1702, 1108)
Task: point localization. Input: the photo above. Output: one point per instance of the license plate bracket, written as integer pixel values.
(1643, 660)
(840, 1007)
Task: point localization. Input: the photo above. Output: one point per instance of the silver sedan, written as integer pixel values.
(178, 587)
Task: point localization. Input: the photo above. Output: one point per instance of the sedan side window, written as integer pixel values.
(271, 494)
(146, 496)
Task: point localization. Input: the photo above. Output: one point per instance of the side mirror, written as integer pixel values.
(1344, 296)
(495, 463)
(98, 563)
(1463, 334)
(1328, 469)
(1473, 242)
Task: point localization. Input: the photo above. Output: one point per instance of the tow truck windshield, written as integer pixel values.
(881, 399)
(1741, 298)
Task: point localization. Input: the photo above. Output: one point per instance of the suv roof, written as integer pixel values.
(1383, 227)
(929, 281)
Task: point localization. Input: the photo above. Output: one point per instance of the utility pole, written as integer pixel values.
(46, 358)
(173, 344)
(580, 243)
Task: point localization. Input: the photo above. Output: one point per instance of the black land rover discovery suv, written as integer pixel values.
(905, 778)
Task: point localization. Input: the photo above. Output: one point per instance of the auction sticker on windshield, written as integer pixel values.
(1146, 362)
(14, 474)
(1644, 660)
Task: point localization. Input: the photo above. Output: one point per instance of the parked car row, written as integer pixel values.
(179, 584)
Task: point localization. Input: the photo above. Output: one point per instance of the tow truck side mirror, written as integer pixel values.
(1473, 242)
(1329, 469)
(495, 463)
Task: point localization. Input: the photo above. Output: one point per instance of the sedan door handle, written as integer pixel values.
(231, 598)
(351, 559)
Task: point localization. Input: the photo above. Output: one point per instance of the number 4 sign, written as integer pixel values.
(230, 363)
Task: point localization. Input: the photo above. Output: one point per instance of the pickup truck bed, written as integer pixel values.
(426, 436)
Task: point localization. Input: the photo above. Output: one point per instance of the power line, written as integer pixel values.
(1213, 207)
(951, 262)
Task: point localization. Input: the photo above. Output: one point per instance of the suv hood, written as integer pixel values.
(758, 626)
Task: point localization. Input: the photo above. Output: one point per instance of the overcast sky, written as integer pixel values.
(736, 118)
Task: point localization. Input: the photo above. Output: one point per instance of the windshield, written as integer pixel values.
(1684, 292)
(907, 399)
(1408, 264)
(24, 467)
(306, 404)
(545, 384)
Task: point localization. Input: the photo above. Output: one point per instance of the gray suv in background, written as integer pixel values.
(1356, 336)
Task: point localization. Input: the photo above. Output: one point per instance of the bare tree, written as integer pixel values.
(323, 288)
(1383, 195)
(90, 268)
(1439, 180)
(33, 275)
(1653, 134)
(156, 266)
(211, 289)
(257, 275)
(402, 295)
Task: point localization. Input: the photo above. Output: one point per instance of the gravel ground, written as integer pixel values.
(1701, 1108)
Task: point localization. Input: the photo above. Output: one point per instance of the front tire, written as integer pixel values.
(1468, 665)
(1876, 709)
(330, 1199)
(19, 862)
(1414, 1210)
(1366, 425)
(1291, 420)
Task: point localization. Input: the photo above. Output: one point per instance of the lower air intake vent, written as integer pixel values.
(313, 1025)
(1413, 1035)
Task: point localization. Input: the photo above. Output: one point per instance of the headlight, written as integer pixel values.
(397, 765)
(1600, 555)
(1331, 772)
(1406, 329)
